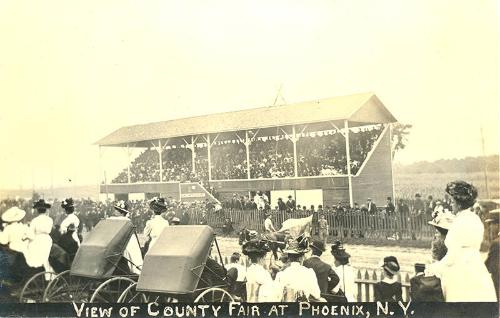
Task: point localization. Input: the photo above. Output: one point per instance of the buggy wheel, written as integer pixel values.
(214, 295)
(34, 288)
(110, 290)
(66, 288)
(131, 295)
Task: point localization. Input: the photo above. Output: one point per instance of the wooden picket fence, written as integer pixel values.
(365, 280)
(347, 225)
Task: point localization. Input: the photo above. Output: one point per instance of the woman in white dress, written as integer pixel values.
(259, 284)
(155, 226)
(464, 277)
(69, 207)
(133, 249)
(13, 237)
(345, 272)
(40, 242)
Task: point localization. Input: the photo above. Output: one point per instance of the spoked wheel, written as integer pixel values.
(67, 288)
(214, 295)
(132, 295)
(111, 290)
(34, 288)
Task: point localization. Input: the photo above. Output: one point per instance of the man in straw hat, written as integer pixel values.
(297, 282)
(492, 263)
(325, 275)
(155, 226)
(133, 250)
(69, 207)
(38, 251)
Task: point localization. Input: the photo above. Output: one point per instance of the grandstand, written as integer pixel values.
(320, 152)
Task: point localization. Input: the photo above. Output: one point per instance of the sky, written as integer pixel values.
(72, 72)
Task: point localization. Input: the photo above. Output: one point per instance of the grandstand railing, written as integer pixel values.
(341, 226)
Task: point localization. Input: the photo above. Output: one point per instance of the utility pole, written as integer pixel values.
(485, 165)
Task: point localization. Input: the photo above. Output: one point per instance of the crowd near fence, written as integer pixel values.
(365, 280)
(345, 225)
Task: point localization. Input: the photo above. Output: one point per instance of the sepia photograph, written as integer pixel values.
(249, 158)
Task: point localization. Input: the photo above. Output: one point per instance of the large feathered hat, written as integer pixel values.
(122, 207)
(41, 205)
(255, 246)
(67, 203)
(158, 204)
(338, 251)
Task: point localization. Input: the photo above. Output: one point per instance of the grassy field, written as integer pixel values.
(434, 184)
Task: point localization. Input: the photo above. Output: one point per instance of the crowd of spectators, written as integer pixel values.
(271, 158)
(319, 154)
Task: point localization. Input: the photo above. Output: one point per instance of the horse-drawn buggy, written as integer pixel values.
(178, 268)
(103, 266)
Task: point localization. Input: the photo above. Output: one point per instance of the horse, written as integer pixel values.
(276, 240)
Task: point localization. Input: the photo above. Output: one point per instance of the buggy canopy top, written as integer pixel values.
(176, 261)
(100, 252)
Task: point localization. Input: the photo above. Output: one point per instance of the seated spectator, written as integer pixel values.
(389, 289)
(425, 288)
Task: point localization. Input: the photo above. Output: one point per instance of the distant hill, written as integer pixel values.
(88, 191)
(465, 165)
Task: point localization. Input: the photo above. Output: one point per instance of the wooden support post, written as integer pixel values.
(348, 156)
(209, 144)
(160, 150)
(295, 161)
(247, 146)
(128, 164)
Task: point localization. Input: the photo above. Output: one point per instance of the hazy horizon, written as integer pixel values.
(72, 73)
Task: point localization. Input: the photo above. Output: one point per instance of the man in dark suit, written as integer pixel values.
(326, 276)
(372, 208)
(290, 204)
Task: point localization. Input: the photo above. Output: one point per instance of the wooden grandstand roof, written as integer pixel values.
(360, 109)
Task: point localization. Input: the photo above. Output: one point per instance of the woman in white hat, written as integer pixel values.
(297, 282)
(14, 233)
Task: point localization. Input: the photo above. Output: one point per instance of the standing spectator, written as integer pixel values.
(491, 262)
(430, 205)
(185, 217)
(371, 207)
(389, 289)
(390, 208)
(268, 224)
(251, 205)
(281, 205)
(69, 207)
(38, 251)
(261, 200)
(323, 229)
(290, 204)
(155, 226)
(203, 219)
(326, 276)
(239, 284)
(417, 215)
(464, 276)
(297, 281)
(345, 272)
